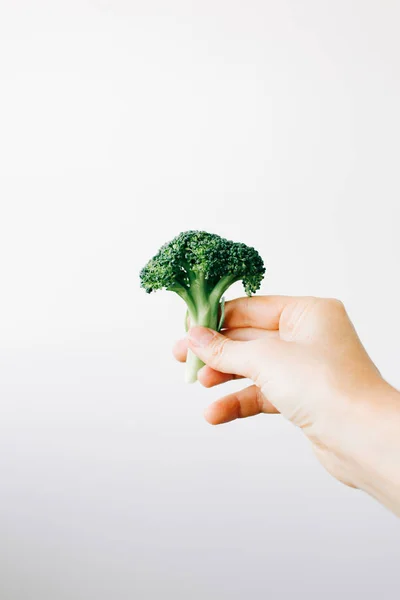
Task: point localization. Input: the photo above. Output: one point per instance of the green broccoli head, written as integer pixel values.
(200, 267)
(197, 254)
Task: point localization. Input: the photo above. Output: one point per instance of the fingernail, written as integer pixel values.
(200, 336)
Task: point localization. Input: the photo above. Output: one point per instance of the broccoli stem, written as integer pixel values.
(203, 312)
(193, 366)
(203, 306)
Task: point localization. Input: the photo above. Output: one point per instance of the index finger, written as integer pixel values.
(263, 312)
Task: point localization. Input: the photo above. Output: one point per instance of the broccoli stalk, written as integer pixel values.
(200, 267)
(204, 311)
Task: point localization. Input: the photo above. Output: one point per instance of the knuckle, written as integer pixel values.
(300, 311)
(259, 399)
(218, 349)
(336, 305)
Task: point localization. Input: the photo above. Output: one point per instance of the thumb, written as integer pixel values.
(219, 352)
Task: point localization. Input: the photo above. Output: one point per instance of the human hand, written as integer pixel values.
(306, 362)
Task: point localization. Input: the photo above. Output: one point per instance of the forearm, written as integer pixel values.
(371, 441)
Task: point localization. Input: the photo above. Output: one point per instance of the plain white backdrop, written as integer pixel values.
(123, 123)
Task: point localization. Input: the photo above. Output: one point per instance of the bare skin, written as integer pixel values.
(307, 363)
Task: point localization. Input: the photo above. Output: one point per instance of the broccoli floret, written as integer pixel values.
(200, 267)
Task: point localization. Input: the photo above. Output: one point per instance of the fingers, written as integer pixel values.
(208, 377)
(180, 350)
(246, 334)
(224, 354)
(246, 403)
(243, 334)
(258, 311)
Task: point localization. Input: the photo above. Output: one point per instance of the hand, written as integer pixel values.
(307, 363)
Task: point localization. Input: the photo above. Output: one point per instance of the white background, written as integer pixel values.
(121, 124)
